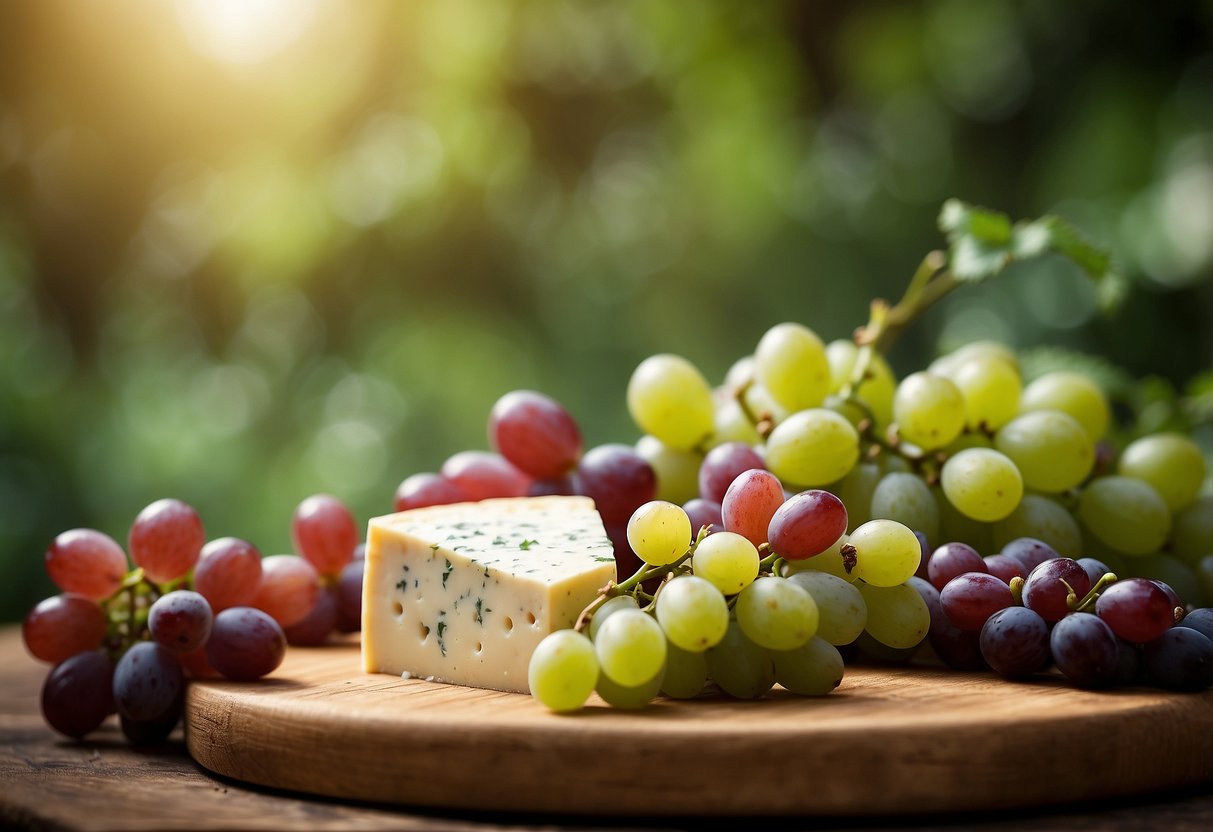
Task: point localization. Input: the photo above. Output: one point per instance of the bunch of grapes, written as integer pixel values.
(124, 640)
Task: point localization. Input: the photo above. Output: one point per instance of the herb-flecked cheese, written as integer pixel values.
(463, 593)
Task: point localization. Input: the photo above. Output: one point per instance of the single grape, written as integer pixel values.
(1050, 449)
(669, 398)
(722, 465)
(349, 597)
(776, 614)
(812, 448)
(1181, 583)
(631, 647)
(658, 532)
(685, 673)
(693, 613)
(813, 669)
(245, 644)
(929, 410)
(78, 693)
(147, 681)
(62, 626)
(563, 670)
(482, 475)
(1095, 569)
(288, 589)
(1014, 642)
(1126, 514)
(1053, 586)
(968, 600)
(180, 621)
(906, 498)
(608, 608)
(1200, 620)
(228, 573)
(1136, 609)
(750, 502)
(841, 612)
(324, 533)
(677, 471)
(1005, 568)
(807, 524)
(898, 617)
(703, 513)
(1085, 650)
(1029, 551)
(153, 731)
(983, 484)
(427, 489)
(1041, 518)
(86, 562)
(314, 628)
(1070, 393)
(618, 480)
(726, 560)
(951, 560)
(740, 667)
(885, 553)
(1179, 659)
(535, 433)
(166, 539)
(634, 698)
(990, 386)
(790, 361)
(1171, 462)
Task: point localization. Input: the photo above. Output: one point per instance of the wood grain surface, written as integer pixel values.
(890, 740)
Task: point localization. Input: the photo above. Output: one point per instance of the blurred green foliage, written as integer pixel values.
(249, 254)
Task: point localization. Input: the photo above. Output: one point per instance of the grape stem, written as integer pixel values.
(1088, 601)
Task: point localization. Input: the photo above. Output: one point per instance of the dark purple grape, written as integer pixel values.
(153, 731)
(1004, 567)
(749, 504)
(563, 487)
(955, 647)
(180, 620)
(950, 560)
(147, 680)
(1179, 659)
(1172, 596)
(1029, 551)
(1085, 650)
(78, 693)
(427, 489)
(925, 545)
(722, 465)
(1128, 663)
(618, 480)
(314, 628)
(1095, 569)
(62, 626)
(1136, 609)
(1200, 620)
(535, 433)
(245, 644)
(482, 475)
(703, 513)
(1015, 642)
(969, 599)
(807, 524)
(1050, 586)
(349, 597)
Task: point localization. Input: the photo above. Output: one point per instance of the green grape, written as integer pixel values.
(830, 562)
(1050, 449)
(633, 698)
(1126, 514)
(659, 532)
(740, 667)
(693, 613)
(608, 608)
(813, 669)
(953, 525)
(670, 399)
(563, 670)
(946, 365)
(990, 388)
(929, 410)
(1192, 534)
(876, 392)
(983, 484)
(886, 552)
(1171, 462)
(1042, 518)
(727, 561)
(630, 647)
(907, 499)
(776, 613)
(1172, 572)
(897, 615)
(841, 612)
(855, 490)
(791, 363)
(812, 448)
(685, 673)
(677, 471)
(893, 464)
(1071, 393)
(874, 650)
(731, 425)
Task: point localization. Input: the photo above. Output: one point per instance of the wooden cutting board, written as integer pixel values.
(889, 740)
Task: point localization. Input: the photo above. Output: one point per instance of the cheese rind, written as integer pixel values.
(464, 593)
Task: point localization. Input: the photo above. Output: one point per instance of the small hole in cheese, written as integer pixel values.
(397, 609)
(509, 623)
(479, 647)
(530, 618)
(423, 631)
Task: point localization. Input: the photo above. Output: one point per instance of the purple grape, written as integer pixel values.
(969, 599)
(925, 545)
(562, 487)
(314, 628)
(180, 620)
(722, 465)
(703, 513)
(153, 731)
(1029, 551)
(78, 693)
(535, 433)
(619, 481)
(955, 647)
(147, 680)
(1137, 610)
(1172, 596)
(1085, 650)
(1004, 567)
(1200, 620)
(749, 504)
(1128, 663)
(245, 644)
(1015, 642)
(1179, 659)
(349, 597)
(1095, 569)
(950, 560)
(807, 524)
(1050, 585)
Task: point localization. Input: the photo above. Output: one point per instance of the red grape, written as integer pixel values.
(1029, 551)
(1095, 569)
(969, 599)
(62, 626)
(722, 465)
(535, 433)
(86, 562)
(951, 560)
(1004, 567)
(1136, 609)
(323, 531)
(288, 589)
(807, 524)
(245, 644)
(166, 539)
(618, 480)
(482, 475)
(228, 573)
(750, 502)
(180, 621)
(427, 489)
(1049, 586)
(78, 694)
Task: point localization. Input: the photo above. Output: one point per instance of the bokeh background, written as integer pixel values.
(255, 249)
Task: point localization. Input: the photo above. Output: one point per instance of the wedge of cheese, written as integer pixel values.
(463, 593)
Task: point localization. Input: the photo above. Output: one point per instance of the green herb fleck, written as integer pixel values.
(498, 541)
(479, 611)
(435, 546)
(446, 573)
(441, 633)
(527, 544)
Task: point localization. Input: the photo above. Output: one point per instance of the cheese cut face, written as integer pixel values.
(463, 593)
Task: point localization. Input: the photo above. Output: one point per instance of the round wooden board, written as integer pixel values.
(889, 740)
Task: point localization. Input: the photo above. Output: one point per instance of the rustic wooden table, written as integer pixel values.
(104, 784)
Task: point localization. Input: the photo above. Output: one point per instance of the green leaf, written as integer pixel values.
(1197, 402)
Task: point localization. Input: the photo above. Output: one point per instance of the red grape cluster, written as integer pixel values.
(124, 640)
(1026, 609)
